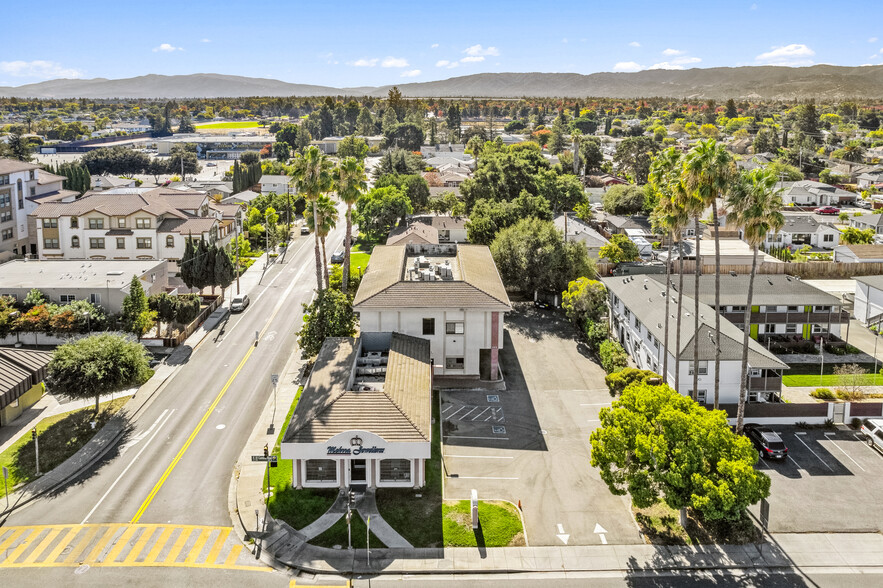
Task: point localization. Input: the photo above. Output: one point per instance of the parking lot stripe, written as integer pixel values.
(813, 452)
(481, 456)
(864, 443)
(449, 408)
(794, 460)
(455, 412)
(843, 452)
(474, 408)
(481, 413)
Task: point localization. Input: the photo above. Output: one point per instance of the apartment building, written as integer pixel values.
(18, 181)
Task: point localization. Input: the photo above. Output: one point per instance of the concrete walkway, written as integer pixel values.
(327, 520)
(367, 507)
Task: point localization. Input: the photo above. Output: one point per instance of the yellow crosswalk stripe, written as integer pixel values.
(120, 544)
(10, 539)
(160, 542)
(99, 546)
(69, 536)
(233, 555)
(218, 546)
(139, 545)
(179, 545)
(44, 543)
(197, 547)
(16, 553)
(78, 550)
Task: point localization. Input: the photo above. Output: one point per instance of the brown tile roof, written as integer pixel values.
(44, 177)
(400, 413)
(10, 166)
(186, 226)
(56, 196)
(110, 203)
(415, 232)
(226, 210)
(480, 287)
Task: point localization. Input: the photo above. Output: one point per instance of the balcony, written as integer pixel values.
(765, 384)
(793, 317)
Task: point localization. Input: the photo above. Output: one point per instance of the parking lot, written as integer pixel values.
(830, 482)
(530, 442)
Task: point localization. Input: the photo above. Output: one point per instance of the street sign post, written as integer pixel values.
(5, 489)
(269, 458)
(764, 513)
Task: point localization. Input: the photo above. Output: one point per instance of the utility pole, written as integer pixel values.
(288, 194)
(36, 448)
(236, 225)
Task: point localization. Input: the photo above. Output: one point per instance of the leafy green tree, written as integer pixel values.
(406, 136)
(34, 298)
(531, 255)
(731, 109)
(595, 333)
(634, 155)
(619, 249)
(19, 147)
(854, 236)
(116, 160)
(784, 171)
(623, 199)
(504, 174)
(352, 146)
(454, 121)
(329, 315)
(562, 191)
(223, 269)
(413, 185)
(488, 218)
(613, 357)
(584, 300)
(186, 124)
(378, 211)
(97, 365)
(282, 151)
(288, 134)
(766, 141)
(136, 312)
(557, 139)
(657, 445)
(619, 381)
(189, 158)
(365, 123)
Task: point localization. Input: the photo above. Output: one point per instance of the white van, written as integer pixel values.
(873, 430)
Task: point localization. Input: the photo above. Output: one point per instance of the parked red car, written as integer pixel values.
(827, 210)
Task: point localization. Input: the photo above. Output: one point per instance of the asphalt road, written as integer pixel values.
(164, 473)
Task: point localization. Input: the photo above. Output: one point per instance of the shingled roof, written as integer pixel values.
(19, 370)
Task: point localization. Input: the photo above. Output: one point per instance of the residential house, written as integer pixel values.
(413, 232)
(106, 182)
(637, 320)
(800, 230)
(859, 253)
(105, 282)
(18, 182)
(274, 183)
(579, 230)
(811, 193)
(774, 304)
(244, 197)
(449, 294)
(617, 225)
(22, 372)
(870, 179)
(430, 229)
(732, 252)
(864, 222)
(868, 308)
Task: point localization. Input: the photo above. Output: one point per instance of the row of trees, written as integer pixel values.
(37, 314)
(206, 265)
(76, 176)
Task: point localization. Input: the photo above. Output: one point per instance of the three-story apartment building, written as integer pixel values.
(18, 181)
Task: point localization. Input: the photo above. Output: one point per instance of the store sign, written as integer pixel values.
(355, 448)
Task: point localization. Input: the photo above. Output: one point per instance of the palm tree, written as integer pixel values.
(755, 203)
(708, 169)
(350, 183)
(326, 212)
(312, 173)
(669, 217)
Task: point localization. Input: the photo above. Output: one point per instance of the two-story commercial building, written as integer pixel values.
(449, 294)
(637, 320)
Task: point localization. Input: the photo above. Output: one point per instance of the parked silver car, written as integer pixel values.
(239, 303)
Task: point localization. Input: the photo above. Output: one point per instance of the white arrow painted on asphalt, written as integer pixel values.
(561, 534)
(601, 531)
(141, 436)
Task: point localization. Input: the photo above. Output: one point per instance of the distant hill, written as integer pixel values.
(826, 82)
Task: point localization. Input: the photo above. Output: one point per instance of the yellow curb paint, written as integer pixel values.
(10, 539)
(143, 539)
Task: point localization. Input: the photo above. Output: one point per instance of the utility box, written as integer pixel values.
(474, 509)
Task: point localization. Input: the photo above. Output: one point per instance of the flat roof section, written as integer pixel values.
(79, 273)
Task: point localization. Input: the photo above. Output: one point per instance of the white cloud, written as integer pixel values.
(43, 70)
(478, 51)
(627, 66)
(394, 62)
(365, 62)
(472, 59)
(881, 50)
(634, 44)
(794, 54)
(434, 46)
(670, 52)
(206, 41)
(872, 40)
(442, 63)
(167, 48)
(411, 73)
(678, 63)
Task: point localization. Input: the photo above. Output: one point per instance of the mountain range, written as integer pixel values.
(823, 82)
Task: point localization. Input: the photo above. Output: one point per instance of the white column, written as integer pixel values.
(297, 473)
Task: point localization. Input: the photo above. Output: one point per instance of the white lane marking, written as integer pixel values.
(474, 408)
(141, 436)
(814, 453)
(843, 452)
(131, 463)
(560, 528)
(219, 427)
(480, 456)
(481, 413)
(794, 460)
(602, 532)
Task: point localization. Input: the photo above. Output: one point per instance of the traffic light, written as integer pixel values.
(266, 450)
(352, 499)
(34, 433)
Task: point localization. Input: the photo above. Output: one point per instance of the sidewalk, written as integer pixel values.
(276, 543)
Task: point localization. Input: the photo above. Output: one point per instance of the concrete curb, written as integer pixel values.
(105, 439)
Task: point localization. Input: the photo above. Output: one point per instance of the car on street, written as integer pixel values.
(827, 210)
(211, 164)
(866, 204)
(767, 441)
(337, 256)
(873, 430)
(305, 230)
(239, 303)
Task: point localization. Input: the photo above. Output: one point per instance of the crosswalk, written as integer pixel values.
(122, 545)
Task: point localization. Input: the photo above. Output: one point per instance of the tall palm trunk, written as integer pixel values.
(746, 334)
(717, 305)
(677, 353)
(347, 245)
(319, 282)
(324, 261)
(698, 272)
(667, 291)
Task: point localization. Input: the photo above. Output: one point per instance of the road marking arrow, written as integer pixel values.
(601, 531)
(561, 534)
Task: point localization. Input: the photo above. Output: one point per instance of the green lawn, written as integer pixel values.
(245, 124)
(831, 380)
(499, 525)
(358, 259)
(337, 535)
(60, 437)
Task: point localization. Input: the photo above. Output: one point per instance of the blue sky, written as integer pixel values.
(347, 44)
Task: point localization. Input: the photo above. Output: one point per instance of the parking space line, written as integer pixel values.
(794, 460)
(813, 452)
(843, 452)
(474, 408)
(481, 413)
(480, 456)
(449, 408)
(455, 412)
(864, 443)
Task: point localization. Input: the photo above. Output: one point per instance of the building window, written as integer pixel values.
(33, 191)
(50, 243)
(700, 396)
(429, 326)
(5, 216)
(615, 300)
(768, 328)
(454, 363)
(703, 368)
(96, 223)
(321, 470)
(75, 222)
(121, 242)
(96, 243)
(637, 325)
(656, 343)
(21, 196)
(121, 223)
(95, 298)
(821, 308)
(738, 308)
(819, 329)
(828, 238)
(790, 328)
(5, 200)
(792, 309)
(454, 328)
(395, 470)
(6, 235)
(755, 372)
(66, 298)
(142, 223)
(143, 242)
(170, 241)
(31, 175)
(75, 242)
(4, 180)
(50, 223)
(627, 313)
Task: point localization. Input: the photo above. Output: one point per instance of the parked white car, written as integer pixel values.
(873, 431)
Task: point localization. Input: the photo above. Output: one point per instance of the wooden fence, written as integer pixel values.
(196, 323)
(810, 270)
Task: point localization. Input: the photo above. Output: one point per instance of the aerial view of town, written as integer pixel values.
(494, 295)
